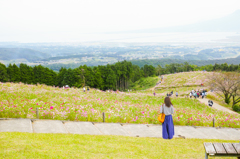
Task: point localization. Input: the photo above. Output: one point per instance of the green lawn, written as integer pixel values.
(32, 145)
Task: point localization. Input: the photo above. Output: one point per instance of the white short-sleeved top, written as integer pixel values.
(167, 110)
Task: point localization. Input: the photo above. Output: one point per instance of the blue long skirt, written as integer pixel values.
(168, 127)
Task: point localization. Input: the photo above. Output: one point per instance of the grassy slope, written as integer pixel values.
(31, 145)
(187, 79)
(145, 83)
(185, 82)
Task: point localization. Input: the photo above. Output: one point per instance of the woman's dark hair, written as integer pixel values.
(167, 102)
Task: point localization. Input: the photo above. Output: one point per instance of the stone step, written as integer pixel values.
(16, 125)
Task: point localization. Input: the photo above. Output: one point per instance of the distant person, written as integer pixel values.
(167, 125)
(176, 94)
(172, 92)
(193, 91)
(195, 95)
(87, 88)
(203, 95)
(190, 94)
(210, 103)
(84, 89)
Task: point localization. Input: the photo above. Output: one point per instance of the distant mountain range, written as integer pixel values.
(21, 53)
(164, 61)
(230, 23)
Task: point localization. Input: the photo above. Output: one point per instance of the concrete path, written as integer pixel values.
(139, 130)
(217, 106)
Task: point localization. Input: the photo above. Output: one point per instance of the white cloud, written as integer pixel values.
(35, 18)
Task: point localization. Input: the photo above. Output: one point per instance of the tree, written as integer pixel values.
(89, 76)
(17, 74)
(226, 85)
(68, 78)
(111, 79)
(26, 73)
(60, 76)
(77, 78)
(149, 70)
(236, 92)
(3, 73)
(159, 70)
(10, 73)
(98, 81)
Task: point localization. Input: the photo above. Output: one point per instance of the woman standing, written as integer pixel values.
(167, 125)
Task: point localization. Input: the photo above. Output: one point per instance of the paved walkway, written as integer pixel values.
(139, 130)
(217, 106)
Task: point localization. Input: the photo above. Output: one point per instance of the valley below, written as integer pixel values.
(131, 47)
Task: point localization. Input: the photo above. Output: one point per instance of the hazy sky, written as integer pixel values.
(32, 20)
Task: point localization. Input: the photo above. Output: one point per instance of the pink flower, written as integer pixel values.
(37, 103)
(51, 107)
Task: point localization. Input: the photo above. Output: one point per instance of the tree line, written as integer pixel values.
(116, 76)
(186, 67)
(169, 60)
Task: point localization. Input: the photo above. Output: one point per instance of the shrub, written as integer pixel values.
(236, 108)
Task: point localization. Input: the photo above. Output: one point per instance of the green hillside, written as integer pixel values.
(21, 101)
(144, 83)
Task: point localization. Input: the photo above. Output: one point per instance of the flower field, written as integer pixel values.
(21, 101)
(184, 79)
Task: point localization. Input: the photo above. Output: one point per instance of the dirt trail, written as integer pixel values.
(153, 88)
(217, 106)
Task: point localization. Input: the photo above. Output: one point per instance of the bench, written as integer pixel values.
(222, 150)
